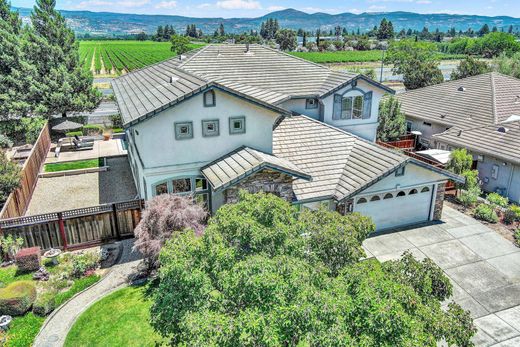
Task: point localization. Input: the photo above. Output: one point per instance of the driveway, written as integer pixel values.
(483, 267)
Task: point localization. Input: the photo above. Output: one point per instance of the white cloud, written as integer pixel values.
(86, 4)
(168, 5)
(130, 3)
(204, 5)
(239, 5)
(376, 8)
(355, 11)
(424, 2)
(276, 8)
(123, 3)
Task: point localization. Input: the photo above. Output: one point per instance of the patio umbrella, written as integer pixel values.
(67, 126)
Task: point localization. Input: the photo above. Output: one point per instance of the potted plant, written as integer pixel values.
(107, 134)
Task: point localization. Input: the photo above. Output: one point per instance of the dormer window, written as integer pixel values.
(352, 107)
(353, 104)
(311, 103)
(209, 98)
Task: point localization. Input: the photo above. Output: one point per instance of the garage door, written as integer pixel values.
(394, 209)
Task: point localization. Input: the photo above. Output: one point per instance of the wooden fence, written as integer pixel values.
(404, 142)
(77, 228)
(18, 201)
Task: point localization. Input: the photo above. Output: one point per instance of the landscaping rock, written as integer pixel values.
(17, 298)
(41, 275)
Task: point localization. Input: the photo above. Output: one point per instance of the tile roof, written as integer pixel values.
(500, 141)
(341, 164)
(263, 74)
(485, 99)
(243, 162)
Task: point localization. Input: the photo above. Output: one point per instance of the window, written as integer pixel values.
(427, 124)
(311, 103)
(399, 171)
(413, 191)
(201, 184)
(375, 198)
(494, 172)
(352, 107)
(388, 196)
(409, 126)
(362, 201)
(400, 194)
(210, 128)
(209, 98)
(182, 185)
(183, 130)
(202, 199)
(161, 189)
(425, 190)
(237, 125)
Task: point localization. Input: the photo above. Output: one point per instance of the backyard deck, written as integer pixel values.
(101, 149)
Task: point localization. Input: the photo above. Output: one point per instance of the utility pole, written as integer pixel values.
(382, 65)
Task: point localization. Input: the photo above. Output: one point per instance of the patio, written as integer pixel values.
(111, 148)
(483, 267)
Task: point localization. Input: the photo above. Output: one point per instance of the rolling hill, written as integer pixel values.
(114, 24)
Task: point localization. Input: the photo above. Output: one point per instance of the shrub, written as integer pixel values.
(497, 200)
(92, 129)
(117, 121)
(9, 177)
(17, 298)
(469, 198)
(45, 303)
(512, 214)
(517, 237)
(118, 130)
(28, 259)
(5, 142)
(84, 262)
(487, 213)
(164, 215)
(10, 245)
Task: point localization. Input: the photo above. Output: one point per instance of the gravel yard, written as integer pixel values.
(62, 193)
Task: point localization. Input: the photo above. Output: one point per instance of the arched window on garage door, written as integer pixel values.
(413, 191)
(425, 190)
(375, 198)
(362, 201)
(388, 196)
(400, 194)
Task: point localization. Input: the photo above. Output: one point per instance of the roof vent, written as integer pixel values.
(460, 133)
(502, 130)
(443, 116)
(173, 79)
(517, 99)
(461, 89)
(248, 51)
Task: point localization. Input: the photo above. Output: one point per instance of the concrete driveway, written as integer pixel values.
(483, 267)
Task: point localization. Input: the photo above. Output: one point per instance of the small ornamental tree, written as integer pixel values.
(286, 38)
(392, 122)
(470, 67)
(263, 274)
(180, 44)
(460, 161)
(164, 215)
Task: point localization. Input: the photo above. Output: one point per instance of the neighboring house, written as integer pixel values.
(231, 117)
(480, 113)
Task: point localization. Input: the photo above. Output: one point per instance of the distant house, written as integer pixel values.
(231, 117)
(480, 113)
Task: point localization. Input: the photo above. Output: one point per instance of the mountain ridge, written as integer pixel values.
(116, 24)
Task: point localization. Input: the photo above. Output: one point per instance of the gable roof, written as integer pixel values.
(244, 162)
(341, 164)
(484, 99)
(488, 140)
(262, 75)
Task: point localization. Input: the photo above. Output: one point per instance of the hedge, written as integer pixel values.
(28, 259)
(17, 298)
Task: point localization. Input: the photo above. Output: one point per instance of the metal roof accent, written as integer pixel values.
(243, 162)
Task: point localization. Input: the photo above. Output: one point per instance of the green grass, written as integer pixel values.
(354, 56)
(23, 330)
(125, 56)
(73, 165)
(10, 274)
(120, 319)
(77, 287)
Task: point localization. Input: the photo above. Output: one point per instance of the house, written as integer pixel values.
(231, 117)
(479, 113)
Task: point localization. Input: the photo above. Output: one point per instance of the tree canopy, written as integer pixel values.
(180, 44)
(392, 122)
(416, 61)
(262, 274)
(470, 67)
(286, 38)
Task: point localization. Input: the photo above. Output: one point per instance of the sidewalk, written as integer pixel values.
(58, 324)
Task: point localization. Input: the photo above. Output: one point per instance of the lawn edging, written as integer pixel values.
(102, 168)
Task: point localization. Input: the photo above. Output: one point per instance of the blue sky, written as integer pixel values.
(254, 8)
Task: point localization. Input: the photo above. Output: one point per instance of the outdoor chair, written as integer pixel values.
(81, 146)
(83, 140)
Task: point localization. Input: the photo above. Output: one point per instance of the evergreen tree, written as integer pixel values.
(484, 30)
(15, 72)
(61, 85)
(392, 121)
(286, 38)
(386, 30)
(510, 30)
(221, 31)
(160, 33)
(304, 41)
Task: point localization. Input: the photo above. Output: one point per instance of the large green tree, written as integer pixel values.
(15, 73)
(470, 67)
(286, 38)
(264, 275)
(9, 177)
(416, 61)
(392, 122)
(61, 85)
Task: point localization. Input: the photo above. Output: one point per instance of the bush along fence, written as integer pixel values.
(17, 202)
(77, 228)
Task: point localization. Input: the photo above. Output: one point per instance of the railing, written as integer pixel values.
(404, 142)
(77, 228)
(18, 200)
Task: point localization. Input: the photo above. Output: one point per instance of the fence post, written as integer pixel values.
(62, 231)
(116, 221)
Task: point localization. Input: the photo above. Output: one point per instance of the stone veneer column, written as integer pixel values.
(439, 201)
(268, 181)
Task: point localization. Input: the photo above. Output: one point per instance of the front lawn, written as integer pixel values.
(74, 165)
(120, 319)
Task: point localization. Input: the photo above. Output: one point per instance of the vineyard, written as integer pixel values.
(117, 57)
